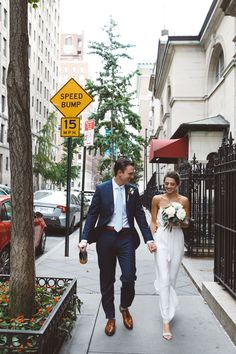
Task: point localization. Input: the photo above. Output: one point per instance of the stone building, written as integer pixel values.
(194, 89)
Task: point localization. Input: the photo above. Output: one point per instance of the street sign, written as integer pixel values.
(89, 132)
(70, 127)
(71, 99)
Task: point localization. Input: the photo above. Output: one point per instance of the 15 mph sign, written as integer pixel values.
(71, 99)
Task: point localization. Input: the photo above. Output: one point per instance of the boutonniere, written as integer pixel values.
(130, 192)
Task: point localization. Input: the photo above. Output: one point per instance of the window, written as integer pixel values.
(68, 41)
(6, 211)
(3, 103)
(216, 67)
(2, 133)
(5, 18)
(4, 75)
(7, 163)
(220, 66)
(4, 47)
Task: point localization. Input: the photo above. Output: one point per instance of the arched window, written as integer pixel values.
(68, 41)
(219, 66)
(216, 67)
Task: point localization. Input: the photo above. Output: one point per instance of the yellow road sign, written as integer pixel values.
(70, 127)
(71, 99)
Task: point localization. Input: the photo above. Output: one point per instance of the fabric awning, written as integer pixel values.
(168, 151)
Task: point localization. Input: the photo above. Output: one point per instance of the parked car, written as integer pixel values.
(77, 193)
(5, 233)
(4, 190)
(52, 204)
(89, 195)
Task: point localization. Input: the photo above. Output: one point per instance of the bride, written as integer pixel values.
(169, 239)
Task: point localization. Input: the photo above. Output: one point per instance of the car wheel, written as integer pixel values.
(5, 261)
(41, 247)
(72, 225)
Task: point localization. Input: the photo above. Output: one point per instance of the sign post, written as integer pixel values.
(88, 141)
(70, 100)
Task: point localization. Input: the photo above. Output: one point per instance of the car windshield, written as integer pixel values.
(6, 189)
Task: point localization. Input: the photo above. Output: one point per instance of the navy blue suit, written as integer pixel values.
(112, 245)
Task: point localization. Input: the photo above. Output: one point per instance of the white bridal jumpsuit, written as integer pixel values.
(170, 251)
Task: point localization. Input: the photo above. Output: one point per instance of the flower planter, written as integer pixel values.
(50, 337)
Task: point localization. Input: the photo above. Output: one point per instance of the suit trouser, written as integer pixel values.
(112, 245)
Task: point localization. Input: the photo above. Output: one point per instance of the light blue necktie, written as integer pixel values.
(119, 211)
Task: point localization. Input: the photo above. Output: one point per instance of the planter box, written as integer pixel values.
(49, 338)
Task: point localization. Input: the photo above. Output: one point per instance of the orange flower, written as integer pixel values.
(49, 309)
(20, 319)
(40, 310)
(56, 298)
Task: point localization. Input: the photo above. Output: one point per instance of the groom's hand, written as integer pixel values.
(152, 246)
(82, 245)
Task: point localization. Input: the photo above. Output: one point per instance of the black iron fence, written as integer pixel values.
(225, 216)
(149, 192)
(211, 189)
(197, 183)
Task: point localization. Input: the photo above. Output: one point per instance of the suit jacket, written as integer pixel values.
(102, 209)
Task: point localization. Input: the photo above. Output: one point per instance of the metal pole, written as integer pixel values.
(69, 158)
(82, 194)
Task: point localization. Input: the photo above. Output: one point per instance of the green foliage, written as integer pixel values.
(43, 162)
(116, 124)
(43, 159)
(34, 3)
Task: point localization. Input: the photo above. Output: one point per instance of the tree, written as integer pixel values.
(22, 279)
(43, 162)
(116, 125)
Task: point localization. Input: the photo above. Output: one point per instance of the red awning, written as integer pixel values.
(168, 151)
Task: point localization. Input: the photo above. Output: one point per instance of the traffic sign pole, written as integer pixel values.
(69, 158)
(70, 100)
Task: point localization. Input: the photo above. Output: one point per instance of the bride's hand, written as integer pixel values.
(152, 247)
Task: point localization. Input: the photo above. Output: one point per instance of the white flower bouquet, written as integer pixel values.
(173, 214)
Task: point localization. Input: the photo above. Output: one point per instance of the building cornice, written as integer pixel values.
(229, 7)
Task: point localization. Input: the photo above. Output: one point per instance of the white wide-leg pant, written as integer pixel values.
(170, 250)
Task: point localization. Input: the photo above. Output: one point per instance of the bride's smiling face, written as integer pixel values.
(170, 185)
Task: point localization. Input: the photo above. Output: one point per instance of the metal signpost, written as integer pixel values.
(88, 141)
(70, 100)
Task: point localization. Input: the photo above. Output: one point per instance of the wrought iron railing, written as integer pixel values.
(225, 216)
(197, 183)
(149, 192)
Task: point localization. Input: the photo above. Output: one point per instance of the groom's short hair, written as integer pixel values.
(121, 164)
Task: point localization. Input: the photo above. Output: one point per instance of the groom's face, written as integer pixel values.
(126, 176)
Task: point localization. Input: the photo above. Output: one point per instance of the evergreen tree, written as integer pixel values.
(116, 124)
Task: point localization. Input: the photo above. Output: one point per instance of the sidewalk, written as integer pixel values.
(195, 328)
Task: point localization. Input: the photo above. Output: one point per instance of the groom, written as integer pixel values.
(114, 206)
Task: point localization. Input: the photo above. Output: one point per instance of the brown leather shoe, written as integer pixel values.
(110, 327)
(127, 318)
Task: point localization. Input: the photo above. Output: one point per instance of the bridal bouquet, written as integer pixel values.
(172, 215)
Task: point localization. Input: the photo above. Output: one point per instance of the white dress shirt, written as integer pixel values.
(116, 187)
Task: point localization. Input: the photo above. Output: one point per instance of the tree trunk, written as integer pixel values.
(22, 279)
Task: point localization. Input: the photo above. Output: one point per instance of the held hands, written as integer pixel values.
(152, 247)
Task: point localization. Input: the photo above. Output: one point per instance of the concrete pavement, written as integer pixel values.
(195, 328)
